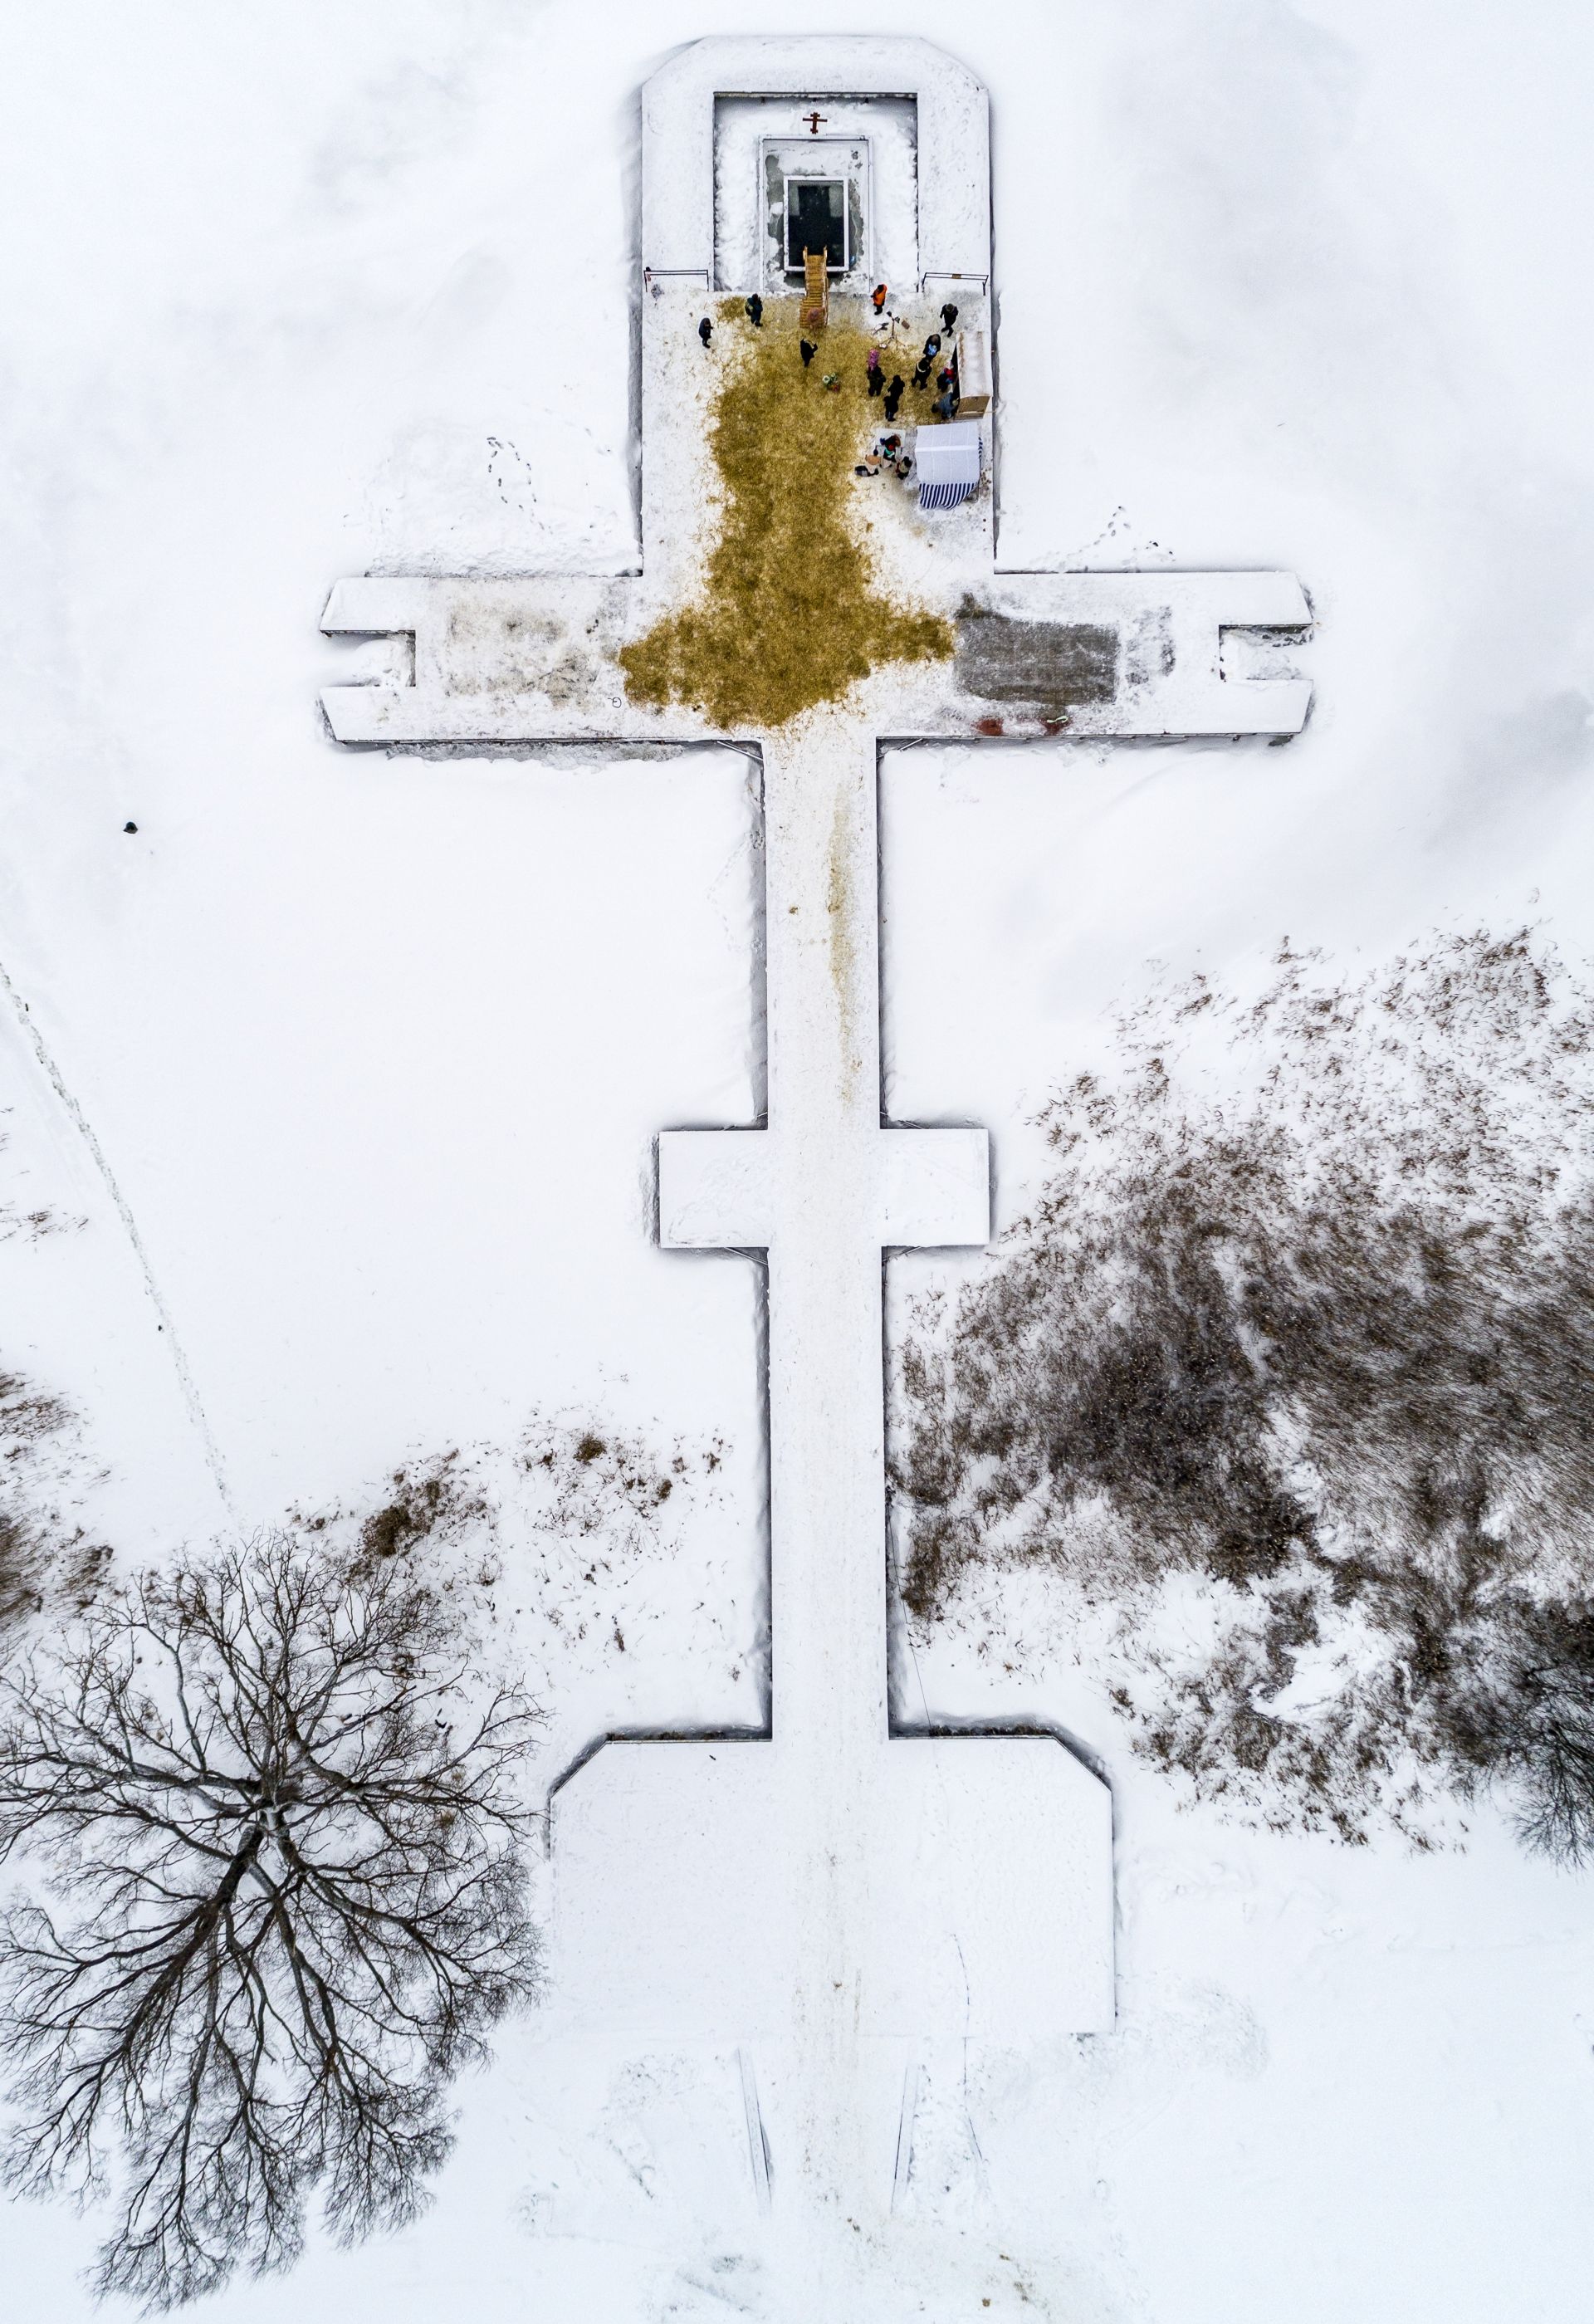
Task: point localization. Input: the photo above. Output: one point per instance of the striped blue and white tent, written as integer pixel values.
(948, 459)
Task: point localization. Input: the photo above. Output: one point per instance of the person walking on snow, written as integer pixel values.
(877, 296)
(705, 330)
(755, 312)
(807, 350)
(948, 317)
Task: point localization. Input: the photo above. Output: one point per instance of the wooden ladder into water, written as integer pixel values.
(816, 310)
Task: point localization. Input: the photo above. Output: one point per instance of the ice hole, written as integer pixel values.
(816, 220)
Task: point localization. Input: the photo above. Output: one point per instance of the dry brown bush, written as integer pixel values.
(1309, 1334)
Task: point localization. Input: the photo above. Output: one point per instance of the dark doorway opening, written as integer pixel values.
(816, 220)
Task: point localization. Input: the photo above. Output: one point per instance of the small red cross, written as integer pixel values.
(813, 120)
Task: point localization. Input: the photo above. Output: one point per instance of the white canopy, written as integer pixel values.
(950, 453)
(948, 459)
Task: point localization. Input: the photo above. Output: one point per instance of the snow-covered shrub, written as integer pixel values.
(1289, 1380)
(46, 1559)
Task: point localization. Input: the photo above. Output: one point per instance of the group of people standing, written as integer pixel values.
(946, 397)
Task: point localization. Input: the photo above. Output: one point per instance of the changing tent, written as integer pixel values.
(948, 460)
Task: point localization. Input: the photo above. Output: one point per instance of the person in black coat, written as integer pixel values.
(948, 317)
(807, 350)
(705, 330)
(755, 312)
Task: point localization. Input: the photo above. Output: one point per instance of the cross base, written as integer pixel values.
(696, 1885)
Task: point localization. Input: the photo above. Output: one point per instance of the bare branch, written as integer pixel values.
(291, 1848)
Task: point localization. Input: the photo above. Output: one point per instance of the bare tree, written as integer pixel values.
(1529, 1720)
(284, 1858)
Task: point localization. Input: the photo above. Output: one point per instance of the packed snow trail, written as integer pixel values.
(86, 1131)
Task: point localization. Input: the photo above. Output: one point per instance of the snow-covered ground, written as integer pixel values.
(375, 1050)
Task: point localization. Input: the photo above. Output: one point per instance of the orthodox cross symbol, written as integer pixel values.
(814, 120)
(840, 1880)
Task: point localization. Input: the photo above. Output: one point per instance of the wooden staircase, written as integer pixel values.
(816, 307)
